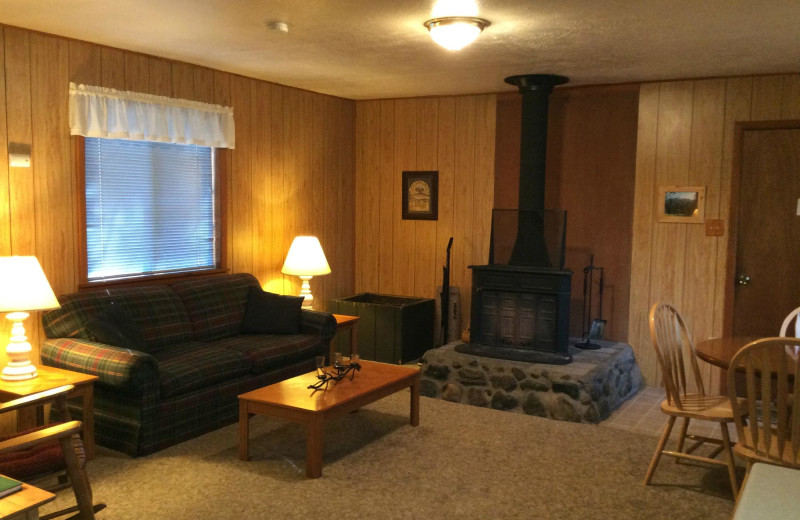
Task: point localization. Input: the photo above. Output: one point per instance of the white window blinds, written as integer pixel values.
(149, 208)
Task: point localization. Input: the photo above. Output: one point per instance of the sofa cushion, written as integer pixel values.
(270, 313)
(156, 309)
(69, 321)
(158, 312)
(267, 352)
(194, 365)
(216, 305)
(115, 326)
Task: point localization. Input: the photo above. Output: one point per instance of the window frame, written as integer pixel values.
(220, 203)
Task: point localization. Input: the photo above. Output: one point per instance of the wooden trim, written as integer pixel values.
(221, 162)
(221, 208)
(80, 185)
(778, 124)
(159, 279)
(733, 228)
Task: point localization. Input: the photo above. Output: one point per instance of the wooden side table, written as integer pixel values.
(25, 503)
(47, 379)
(343, 321)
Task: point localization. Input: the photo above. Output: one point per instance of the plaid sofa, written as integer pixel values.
(197, 361)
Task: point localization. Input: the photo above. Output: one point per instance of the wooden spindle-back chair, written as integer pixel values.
(685, 394)
(772, 433)
(787, 329)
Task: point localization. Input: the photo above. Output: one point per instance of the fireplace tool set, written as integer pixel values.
(593, 329)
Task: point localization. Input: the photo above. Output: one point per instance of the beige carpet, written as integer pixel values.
(462, 462)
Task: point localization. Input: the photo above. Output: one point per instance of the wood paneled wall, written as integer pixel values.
(454, 135)
(291, 173)
(686, 137)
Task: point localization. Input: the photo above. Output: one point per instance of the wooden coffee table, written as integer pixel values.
(293, 401)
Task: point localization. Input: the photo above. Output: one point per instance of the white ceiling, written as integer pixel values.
(364, 49)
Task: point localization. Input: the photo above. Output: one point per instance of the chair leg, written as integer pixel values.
(744, 483)
(659, 449)
(682, 438)
(726, 443)
(77, 476)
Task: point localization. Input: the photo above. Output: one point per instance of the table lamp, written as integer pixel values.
(23, 288)
(306, 260)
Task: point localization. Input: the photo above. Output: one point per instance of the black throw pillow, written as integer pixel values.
(115, 326)
(270, 313)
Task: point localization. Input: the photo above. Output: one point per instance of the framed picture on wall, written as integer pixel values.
(420, 195)
(684, 204)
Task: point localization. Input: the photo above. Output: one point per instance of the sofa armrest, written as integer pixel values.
(318, 323)
(118, 367)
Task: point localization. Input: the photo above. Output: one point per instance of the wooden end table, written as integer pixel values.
(48, 378)
(25, 503)
(293, 401)
(345, 322)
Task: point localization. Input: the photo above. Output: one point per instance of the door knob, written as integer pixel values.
(743, 280)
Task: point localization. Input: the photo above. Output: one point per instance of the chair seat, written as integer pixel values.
(714, 408)
(26, 465)
(774, 456)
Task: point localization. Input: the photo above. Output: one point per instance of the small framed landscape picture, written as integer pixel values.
(684, 204)
(421, 195)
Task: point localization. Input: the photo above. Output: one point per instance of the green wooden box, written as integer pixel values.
(392, 329)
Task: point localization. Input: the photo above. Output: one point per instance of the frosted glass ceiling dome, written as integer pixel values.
(455, 24)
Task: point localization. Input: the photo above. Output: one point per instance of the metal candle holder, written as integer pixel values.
(339, 373)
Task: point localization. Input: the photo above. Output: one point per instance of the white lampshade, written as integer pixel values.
(23, 288)
(306, 258)
(23, 285)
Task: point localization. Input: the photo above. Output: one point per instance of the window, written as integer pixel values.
(151, 184)
(151, 208)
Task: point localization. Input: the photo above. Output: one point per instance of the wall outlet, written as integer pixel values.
(715, 227)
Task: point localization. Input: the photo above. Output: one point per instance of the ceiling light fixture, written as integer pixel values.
(456, 32)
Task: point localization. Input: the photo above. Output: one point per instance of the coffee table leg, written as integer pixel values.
(244, 430)
(314, 438)
(415, 403)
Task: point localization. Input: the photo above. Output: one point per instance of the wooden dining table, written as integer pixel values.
(720, 351)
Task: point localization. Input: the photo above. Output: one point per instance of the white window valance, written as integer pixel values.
(116, 114)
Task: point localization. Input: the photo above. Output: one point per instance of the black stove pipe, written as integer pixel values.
(529, 248)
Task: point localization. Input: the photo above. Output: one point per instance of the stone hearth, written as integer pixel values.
(587, 390)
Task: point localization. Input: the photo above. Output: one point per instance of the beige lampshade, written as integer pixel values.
(23, 285)
(306, 258)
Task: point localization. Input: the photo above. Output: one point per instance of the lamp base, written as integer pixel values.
(19, 366)
(18, 373)
(305, 292)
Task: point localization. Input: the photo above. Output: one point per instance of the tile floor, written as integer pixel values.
(642, 414)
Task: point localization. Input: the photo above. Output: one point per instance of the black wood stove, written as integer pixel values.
(520, 301)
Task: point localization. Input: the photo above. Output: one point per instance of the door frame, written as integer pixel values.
(740, 128)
